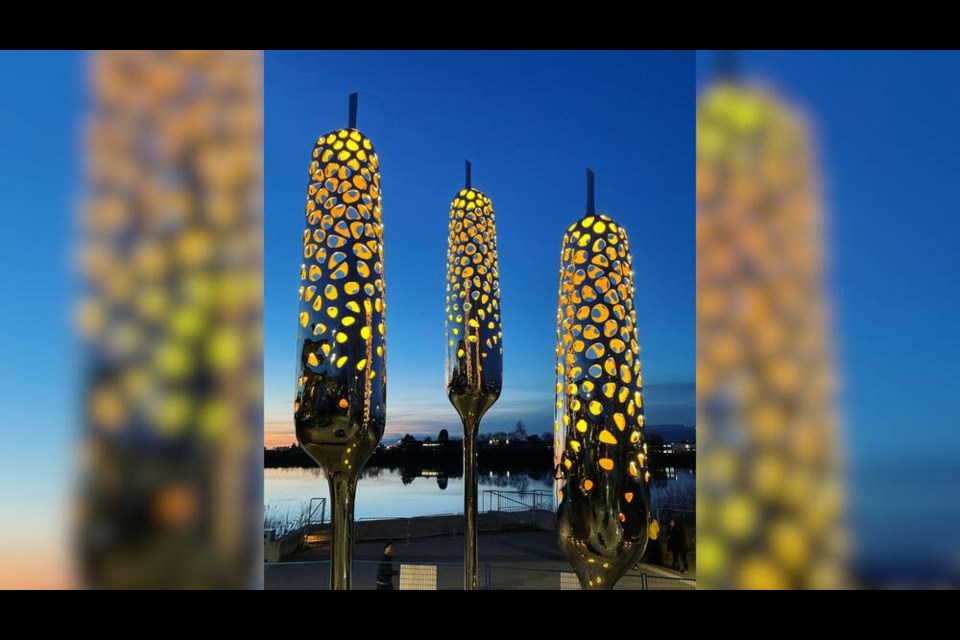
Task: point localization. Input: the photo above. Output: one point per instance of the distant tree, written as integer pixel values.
(533, 438)
(655, 440)
(546, 436)
(408, 439)
(443, 436)
(520, 431)
(428, 439)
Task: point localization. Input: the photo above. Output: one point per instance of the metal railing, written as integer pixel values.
(496, 500)
(317, 506)
(676, 510)
(449, 576)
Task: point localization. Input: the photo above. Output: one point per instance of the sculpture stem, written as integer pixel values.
(343, 489)
(471, 556)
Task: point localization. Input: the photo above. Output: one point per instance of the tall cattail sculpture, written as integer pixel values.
(474, 360)
(341, 374)
(602, 493)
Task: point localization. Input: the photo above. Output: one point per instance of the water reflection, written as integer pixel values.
(385, 492)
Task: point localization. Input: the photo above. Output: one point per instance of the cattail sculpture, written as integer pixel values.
(170, 251)
(474, 360)
(770, 474)
(602, 493)
(341, 375)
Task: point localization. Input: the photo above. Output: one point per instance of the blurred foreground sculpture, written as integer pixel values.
(769, 511)
(170, 317)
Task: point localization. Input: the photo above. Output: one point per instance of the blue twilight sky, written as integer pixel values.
(530, 123)
(888, 139)
(40, 103)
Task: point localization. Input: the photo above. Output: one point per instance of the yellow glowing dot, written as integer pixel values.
(582, 425)
(634, 437)
(587, 484)
(353, 306)
(361, 364)
(332, 312)
(606, 464)
(628, 496)
(633, 470)
(575, 446)
(610, 366)
(365, 333)
(567, 463)
(312, 360)
(342, 337)
(343, 403)
(351, 288)
(595, 351)
(326, 349)
(607, 438)
(620, 421)
(610, 328)
(331, 292)
(304, 318)
(342, 360)
(348, 320)
(596, 408)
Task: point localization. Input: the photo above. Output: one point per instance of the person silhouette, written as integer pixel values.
(385, 571)
(677, 541)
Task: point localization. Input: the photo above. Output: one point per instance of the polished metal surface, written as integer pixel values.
(602, 492)
(474, 361)
(341, 374)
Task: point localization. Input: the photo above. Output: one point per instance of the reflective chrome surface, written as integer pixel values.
(341, 375)
(474, 336)
(602, 491)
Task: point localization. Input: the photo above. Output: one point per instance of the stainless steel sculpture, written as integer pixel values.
(602, 492)
(341, 375)
(474, 360)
